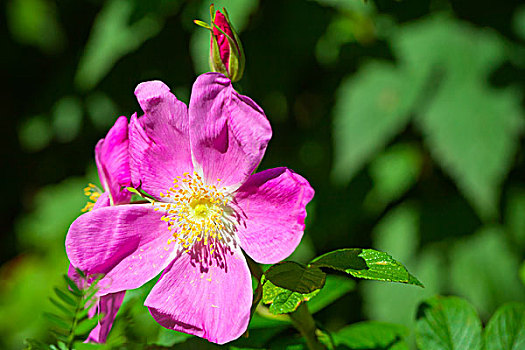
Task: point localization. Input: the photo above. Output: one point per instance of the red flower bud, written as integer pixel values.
(226, 54)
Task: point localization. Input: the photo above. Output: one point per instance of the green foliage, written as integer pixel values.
(393, 172)
(286, 285)
(334, 288)
(452, 323)
(506, 328)
(113, 37)
(472, 129)
(73, 304)
(367, 264)
(448, 323)
(35, 22)
(372, 335)
(371, 108)
(497, 280)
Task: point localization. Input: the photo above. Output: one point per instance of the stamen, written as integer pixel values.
(197, 210)
(93, 193)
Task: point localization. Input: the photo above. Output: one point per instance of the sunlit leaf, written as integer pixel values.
(371, 335)
(371, 107)
(286, 285)
(506, 328)
(448, 323)
(398, 234)
(366, 263)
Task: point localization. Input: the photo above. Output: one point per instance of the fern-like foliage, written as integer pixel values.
(70, 320)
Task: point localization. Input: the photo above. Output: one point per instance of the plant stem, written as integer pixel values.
(302, 320)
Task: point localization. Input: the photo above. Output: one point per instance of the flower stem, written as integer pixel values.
(303, 321)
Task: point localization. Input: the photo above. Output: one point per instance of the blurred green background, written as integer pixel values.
(406, 116)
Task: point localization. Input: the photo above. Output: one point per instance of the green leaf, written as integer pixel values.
(295, 277)
(282, 300)
(62, 307)
(471, 129)
(393, 172)
(65, 298)
(370, 109)
(74, 288)
(86, 325)
(448, 323)
(366, 263)
(371, 335)
(36, 22)
(334, 288)
(288, 284)
(497, 282)
(59, 321)
(111, 38)
(506, 328)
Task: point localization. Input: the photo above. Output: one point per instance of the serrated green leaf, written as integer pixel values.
(366, 263)
(65, 298)
(371, 335)
(370, 109)
(286, 285)
(295, 277)
(472, 129)
(448, 323)
(506, 328)
(59, 321)
(283, 300)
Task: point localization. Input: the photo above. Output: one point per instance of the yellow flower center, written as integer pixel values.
(197, 211)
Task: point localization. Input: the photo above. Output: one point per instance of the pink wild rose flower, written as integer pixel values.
(197, 164)
(112, 159)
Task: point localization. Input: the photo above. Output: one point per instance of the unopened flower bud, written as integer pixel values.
(226, 54)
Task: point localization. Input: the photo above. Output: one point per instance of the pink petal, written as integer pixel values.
(108, 306)
(159, 140)
(208, 301)
(127, 243)
(112, 158)
(272, 209)
(228, 131)
(104, 201)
